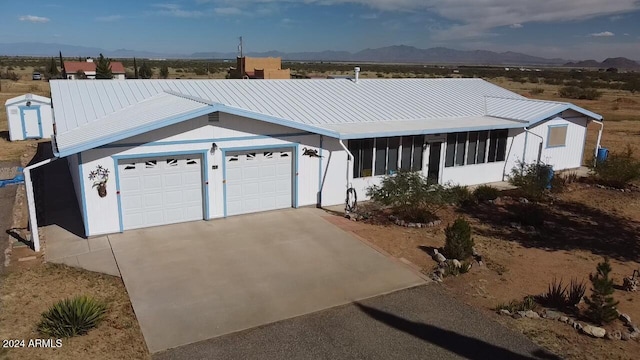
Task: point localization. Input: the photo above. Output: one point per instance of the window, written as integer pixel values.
(387, 155)
(476, 147)
(557, 135)
(172, 162)
(150, 164)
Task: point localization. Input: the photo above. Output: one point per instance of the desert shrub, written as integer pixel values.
(179, 70)
(411, 196)
(485, 193)
(458, 243)
(10, 75)
(72, 317)
(575, 292)
(555, 297)
(601, 305)
(576, 92)
(460, 195)
(200, 71)
(537, 91)
(528, 303)
(531, 179)
(618, 170)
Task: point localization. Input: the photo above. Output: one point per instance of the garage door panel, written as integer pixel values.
(258, 181)
(160, 191)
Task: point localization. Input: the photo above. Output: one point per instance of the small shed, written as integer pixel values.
(30, 117)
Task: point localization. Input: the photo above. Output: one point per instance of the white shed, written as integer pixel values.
(29, 117)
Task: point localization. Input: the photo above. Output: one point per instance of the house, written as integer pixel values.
(29, 117)
(88, 68)
(152, 152)
(259, 68)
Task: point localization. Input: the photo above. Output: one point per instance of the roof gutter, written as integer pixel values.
(31, 202)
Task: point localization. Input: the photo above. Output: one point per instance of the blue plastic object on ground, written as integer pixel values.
(603, 154)
(18, 179)
(549, 177)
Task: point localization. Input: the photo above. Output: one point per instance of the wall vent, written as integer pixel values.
(214, 116)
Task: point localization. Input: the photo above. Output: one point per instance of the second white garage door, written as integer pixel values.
(159, 191)
(259, 180)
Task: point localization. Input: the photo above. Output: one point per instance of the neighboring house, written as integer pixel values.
(29, 117)
(184, 150)
(259, 68)
(88, 68)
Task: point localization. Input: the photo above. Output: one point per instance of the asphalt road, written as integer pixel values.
(418, 323)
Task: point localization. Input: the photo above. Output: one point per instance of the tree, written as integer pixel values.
(103, 68)
(145, 71)
(164, 71)
(135, 69)
(64, 71)
(80, 74)
(458, 243)
(602, 306)
(52, 69)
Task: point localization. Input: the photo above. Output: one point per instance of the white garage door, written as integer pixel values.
(160, 191)
(259, 180)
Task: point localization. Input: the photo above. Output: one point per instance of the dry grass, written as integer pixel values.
(27, 293)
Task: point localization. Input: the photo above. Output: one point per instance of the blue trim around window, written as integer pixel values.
(24, 127)
(83, 195)
(203, 153)
(295, 149)
(549, 127)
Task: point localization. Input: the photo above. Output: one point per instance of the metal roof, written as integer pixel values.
(337, 108)
(531, 111)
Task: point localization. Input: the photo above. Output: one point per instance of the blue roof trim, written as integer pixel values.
(567, 106)
(430, 132)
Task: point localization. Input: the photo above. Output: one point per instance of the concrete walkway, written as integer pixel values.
(194, 281)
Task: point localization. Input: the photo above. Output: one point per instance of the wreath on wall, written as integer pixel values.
(100, 176)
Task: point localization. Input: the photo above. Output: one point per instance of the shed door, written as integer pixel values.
(31, 123)
(259, 180)
(158, 191)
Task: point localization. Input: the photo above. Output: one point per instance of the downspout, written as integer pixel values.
(31, 202)
(524, 152)
(595, 155)
(349, 160)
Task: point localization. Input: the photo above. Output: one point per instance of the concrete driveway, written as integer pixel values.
(194, 281)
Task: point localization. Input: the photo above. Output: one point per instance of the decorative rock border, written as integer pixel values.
(407, 224)
(632, 332)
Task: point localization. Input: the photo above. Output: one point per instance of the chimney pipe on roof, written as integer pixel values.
(357, 70)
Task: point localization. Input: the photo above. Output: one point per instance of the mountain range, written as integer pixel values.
(389, 54)
(618, 63)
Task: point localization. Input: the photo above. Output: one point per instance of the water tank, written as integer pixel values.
(603, 153)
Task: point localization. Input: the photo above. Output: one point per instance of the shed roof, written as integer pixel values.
(337, 108)
(28, 97)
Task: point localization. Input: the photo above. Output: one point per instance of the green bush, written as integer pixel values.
(601, 305)
(556, 295)
(531, 179)
(618, 170)
(575, 292)
(458, 243)
(411, 196)
(485, 193)
(71, 317)
(460, 195)
(576, 92)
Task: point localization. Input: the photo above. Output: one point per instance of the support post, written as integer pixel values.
(31, 203)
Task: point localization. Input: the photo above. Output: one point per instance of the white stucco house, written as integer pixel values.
(186, 150)
(29, 116)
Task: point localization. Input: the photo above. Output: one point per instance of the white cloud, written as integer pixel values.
(34, 19)
(603, 34)
(227, 11)
(626, 34)
(371, 16)
(177, 11)
(516, 26)
(110, 18)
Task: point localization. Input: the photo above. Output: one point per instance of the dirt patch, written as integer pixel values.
(581, 226)
(29, 292)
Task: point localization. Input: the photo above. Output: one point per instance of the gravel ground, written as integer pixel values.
(419, 323)
(7, 198)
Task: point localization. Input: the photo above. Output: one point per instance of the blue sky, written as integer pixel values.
(571, 29)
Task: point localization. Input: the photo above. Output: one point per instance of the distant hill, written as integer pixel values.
(388, 54)
(618, 63)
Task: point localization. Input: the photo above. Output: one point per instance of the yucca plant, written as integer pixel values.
(575, 292)
(556, 295)
(72, 317)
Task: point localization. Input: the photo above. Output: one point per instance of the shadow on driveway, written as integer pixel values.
(465, 346)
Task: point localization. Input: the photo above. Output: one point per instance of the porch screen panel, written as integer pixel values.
(460, 147)
(381, 156)
(367, 158)
(418, 141)
(392, 155)
(407, 145)
(473, 147)
(355, 147)
(451, 150)
(482, 147)
(502, 145)
(493, 145)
